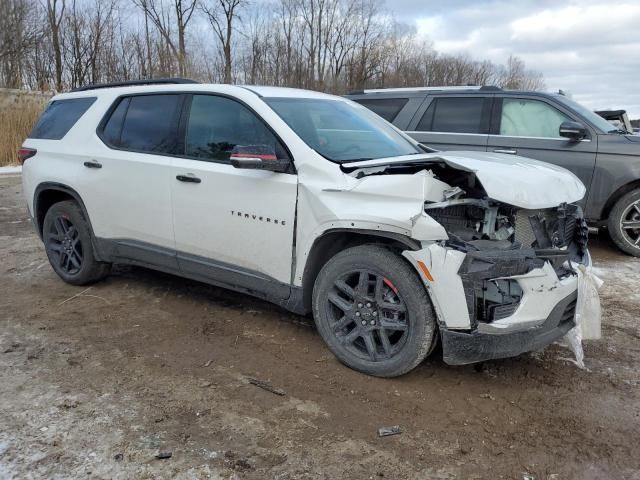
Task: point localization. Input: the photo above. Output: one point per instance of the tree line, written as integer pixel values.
(328, 45)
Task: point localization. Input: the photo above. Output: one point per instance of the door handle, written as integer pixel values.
(189, 178)
(93, 164)
(509, 151)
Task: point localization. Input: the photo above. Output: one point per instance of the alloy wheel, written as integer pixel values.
(630, 224)
(64, 245)
(368, 316)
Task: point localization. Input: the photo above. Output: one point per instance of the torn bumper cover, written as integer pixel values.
(460, 348)
(500, 303)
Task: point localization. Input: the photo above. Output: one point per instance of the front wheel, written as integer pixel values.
(624, 223)
(373, 312)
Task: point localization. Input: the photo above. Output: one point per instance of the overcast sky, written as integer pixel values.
(590, 48)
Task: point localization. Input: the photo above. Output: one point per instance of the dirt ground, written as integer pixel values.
(94, 383)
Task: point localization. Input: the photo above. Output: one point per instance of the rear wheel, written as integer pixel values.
(373, 311)
(67, 241)
(624, 223)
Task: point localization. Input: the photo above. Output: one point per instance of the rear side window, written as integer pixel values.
(455, 115)
(145, 123)
(387, 108)
(59, 117)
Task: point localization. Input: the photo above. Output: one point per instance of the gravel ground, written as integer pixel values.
(95, 383)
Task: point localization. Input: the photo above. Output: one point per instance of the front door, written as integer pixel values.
(529, 127)
(232, 226)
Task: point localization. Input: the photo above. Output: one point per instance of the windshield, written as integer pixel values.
(595, 119)
(341, 131)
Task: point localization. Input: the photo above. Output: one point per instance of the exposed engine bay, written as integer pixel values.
(474, 221)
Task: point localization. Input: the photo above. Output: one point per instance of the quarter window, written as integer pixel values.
(455, 115)
(59, 117)
(387, 108)
(217, 124)
(530, 118)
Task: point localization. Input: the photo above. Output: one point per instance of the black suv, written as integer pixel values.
(544, 126)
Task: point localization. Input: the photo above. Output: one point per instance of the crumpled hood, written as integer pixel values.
(518, 181)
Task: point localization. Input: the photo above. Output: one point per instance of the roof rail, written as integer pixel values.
(488, 88)
(133, 83)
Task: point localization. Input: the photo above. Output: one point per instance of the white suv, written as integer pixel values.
(317, 204)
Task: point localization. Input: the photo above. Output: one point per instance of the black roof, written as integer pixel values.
(133, 83)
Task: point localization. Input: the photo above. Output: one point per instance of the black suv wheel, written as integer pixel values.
(373, 312)
(67, 241)
(624, 223)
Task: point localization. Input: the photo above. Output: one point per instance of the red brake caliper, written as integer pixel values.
(388, 283)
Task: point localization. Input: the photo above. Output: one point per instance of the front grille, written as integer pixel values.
(496, 299)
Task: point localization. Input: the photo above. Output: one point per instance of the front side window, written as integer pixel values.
(144, 123)
(530, 118)
(387, 108)
(455, 115)
(217, 124)
(341, 131)
(59, 117)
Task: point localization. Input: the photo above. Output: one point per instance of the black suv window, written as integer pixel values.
(59, 117)
(455, 115)
(145, 123)
(217, 124)
(387, 108)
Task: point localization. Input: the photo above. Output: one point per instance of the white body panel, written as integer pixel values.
(244, 218)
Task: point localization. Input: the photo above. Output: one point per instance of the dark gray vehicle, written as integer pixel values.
(544, 126)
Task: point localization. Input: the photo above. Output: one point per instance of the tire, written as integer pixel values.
(68, 243)
(622, 222)
(362, 280)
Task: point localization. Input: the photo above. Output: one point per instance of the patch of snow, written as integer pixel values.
(11, 170)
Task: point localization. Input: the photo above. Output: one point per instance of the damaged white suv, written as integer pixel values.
(317, 204)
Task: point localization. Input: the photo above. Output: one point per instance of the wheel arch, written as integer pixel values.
(617, 195)
(333, 241)
(48, 194)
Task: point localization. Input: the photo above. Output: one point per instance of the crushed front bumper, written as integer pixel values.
(460, 348)
(544, 313)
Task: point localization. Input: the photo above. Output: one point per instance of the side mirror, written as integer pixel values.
(258, 157)
(574, 131)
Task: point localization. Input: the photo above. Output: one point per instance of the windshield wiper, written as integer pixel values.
(619, 131)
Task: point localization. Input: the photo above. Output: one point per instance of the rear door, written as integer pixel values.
(232, 226)
(528, 126)
(126, 186)
(453, 122)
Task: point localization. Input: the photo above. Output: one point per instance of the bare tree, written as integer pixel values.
(332, 45)
(222, 15)
(164, 19)
(55, 14)
(515, 76)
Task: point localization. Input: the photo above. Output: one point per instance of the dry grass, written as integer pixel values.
(16, 121)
